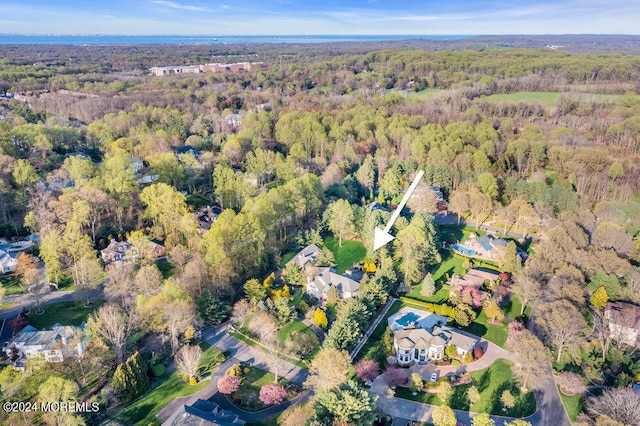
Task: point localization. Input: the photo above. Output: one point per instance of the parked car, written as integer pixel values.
(434, 377)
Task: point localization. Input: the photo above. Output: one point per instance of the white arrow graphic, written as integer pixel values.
(382, 237)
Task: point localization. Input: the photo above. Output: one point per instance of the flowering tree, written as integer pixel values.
(228, 384)
(396, 376)
(476, 295)
(367, 370)
(272, 394)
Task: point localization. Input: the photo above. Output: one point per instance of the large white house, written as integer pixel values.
(420, 336)
(324, 278)
(327, 278)
(55, 345)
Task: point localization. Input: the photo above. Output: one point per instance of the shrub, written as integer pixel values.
(477, 353)
(193, 381)
(396, 376)
(185, 377)
(228, 384)
(246, 370)
(303, 306)
(367, 370)
(468, 357)
(235, 370)
(158, 370)
(272, 394)
(451, 350)
(455, 363)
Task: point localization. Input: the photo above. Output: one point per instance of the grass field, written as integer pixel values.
(12, 285)
(65, 313)
(166, 269)
(294, 325)
(491, 382)
(574, 405)
(287, 257)
(350, 252)
(164, 389)
(493, 333)
(549, 99)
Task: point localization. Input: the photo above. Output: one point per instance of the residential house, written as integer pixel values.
(118, 253)
(624, 322)
(307, 254)
(347, 284)
(138, 165)
(327, 278)
(55, 345)
(474, 278)
(206, 216)
(416, 344)
(488, 246)
(186, 149)
(377, 206)
(8, 262)
(202, 413)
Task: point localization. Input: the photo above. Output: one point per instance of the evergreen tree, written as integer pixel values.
(211, 309)
(428, 286)
(349, 404)
(130, 379)
(511, 259)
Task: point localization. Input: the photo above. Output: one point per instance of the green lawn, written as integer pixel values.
(350, 252)
(12, 284)
(65, 313)
(7, 305)
(166, 269)
(512, 308)
(493, 333)
(574, 405)
(287, 257)
(546, 99)
(198, 200)
(164, 389)
(294, 325)
(247, 395)
(491, 382)
(450, 264)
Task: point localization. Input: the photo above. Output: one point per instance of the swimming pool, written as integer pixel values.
(407, 319)
(463, 250)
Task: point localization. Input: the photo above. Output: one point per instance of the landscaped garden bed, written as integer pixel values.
(257, 389)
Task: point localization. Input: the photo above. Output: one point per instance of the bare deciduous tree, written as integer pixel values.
(178, 315)
(148, 280)
(115, 325)
(188, 360)
(120, 286)
(328, 369)
(561, 324)
(264, 326)
(621, 405)
(240, 311)
(531, 359)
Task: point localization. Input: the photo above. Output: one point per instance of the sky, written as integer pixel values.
(313, 17)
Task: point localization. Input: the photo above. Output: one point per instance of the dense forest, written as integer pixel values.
(94, 149)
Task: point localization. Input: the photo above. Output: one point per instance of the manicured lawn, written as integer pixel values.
(287, 257)
(166, 268)
(451, 264)
(247, 395)
(12, 285)
(65, 313)
(491, 382)
(164, 389)
(294, 325)
(351, 252)
(512, 308)
(198, 200)
(574, 405)
(7, 305)
(493, 333)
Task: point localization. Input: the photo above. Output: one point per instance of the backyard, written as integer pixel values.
(491, 382)
(164, 389)
(351, 252)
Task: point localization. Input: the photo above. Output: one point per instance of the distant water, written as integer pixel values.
(172, 39)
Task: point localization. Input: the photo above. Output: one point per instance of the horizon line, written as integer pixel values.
(310, 35)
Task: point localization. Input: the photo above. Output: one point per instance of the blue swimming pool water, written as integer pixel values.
(407, 318)
(463, 250)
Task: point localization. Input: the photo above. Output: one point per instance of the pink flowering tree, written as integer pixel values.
(228, 384)
(367, 370)
(476, 295)
(396, 376)
(272, 394)
(514, 328)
